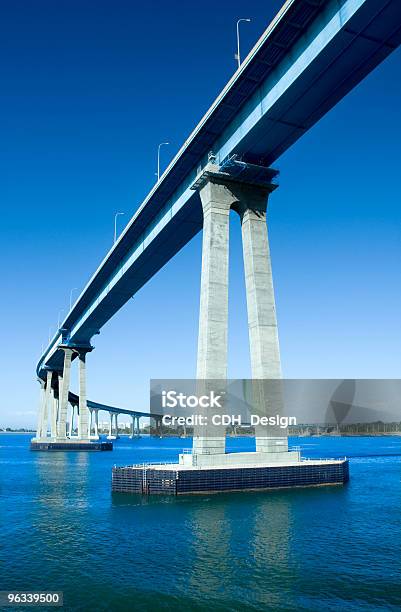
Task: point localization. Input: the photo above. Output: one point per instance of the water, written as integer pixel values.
(331, 548)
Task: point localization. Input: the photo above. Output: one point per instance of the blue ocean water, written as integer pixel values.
(316, 549)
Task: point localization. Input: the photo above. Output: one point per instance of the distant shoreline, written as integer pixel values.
(167, 435)
(17, 432)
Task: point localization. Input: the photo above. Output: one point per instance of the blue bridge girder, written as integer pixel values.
(311, 55)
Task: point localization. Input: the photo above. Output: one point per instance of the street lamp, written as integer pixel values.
(115, 224)
(158, 158)
(59, 318)
(238, 54)
(71, 292)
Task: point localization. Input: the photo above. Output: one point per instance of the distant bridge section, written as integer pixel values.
(93, 425)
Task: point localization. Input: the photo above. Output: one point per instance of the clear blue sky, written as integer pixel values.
(88, 90)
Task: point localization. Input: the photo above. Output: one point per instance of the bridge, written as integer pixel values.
(311, 55)
(93, 423)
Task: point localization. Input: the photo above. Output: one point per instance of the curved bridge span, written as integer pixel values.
(311, 55)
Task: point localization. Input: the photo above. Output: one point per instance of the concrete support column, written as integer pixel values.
(158, 426)
(96, 424)
(47, 404)
(83, 429)
(90, 419)
(213, 315)
(110, 436)
(42, 403)
(65, 388)
(135, 431)
(45, 400)
(93, 424)
(116, 425)
(72, 415)
(262, 321)
(60, 388)
(54, 415)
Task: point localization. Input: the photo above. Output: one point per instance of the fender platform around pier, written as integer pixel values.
(175, 479)
(71, 445)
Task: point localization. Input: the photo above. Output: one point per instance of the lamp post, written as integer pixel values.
(59, 318)
(115, 224)
(238, 54)
(158, 158)
(71, 292)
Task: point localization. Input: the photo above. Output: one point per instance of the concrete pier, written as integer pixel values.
(83, 418)
(213, 314)
(113, 429)
(244, 189)
(42, 401)
(63, 394)
(54, 414)
(135, 429)
(262, 320)
(92, 428)
(55, 397)
(72, 421)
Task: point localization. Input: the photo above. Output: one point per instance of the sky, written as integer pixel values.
(88, 90)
